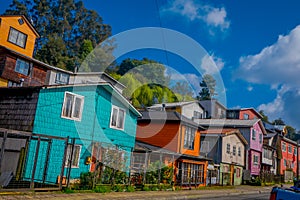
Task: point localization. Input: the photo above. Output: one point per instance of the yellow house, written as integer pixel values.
(17, 33)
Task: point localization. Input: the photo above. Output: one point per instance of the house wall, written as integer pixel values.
(37, 76)
(91, 127)
(256, 144)
(230, 174)
(159, 134)
(254, 167)
(12, 21)
(233, 140)
(250, 112)
(291, 158)
(188, 110)
(213, 150)
(18, 108)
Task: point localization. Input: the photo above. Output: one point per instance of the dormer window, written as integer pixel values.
(16, 37)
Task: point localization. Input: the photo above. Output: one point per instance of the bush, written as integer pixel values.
(146, 188)
(130, 188)
(86, 180)
(68, 191)
(118, 188)
(102, 189)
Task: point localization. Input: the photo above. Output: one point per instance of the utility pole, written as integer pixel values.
(297, 172)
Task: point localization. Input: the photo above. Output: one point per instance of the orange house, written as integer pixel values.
(17, 41)
(176, 133)
(17, 33)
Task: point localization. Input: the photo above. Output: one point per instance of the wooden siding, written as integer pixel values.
(91, 128)
(37, 76)
(17, 108)
(12, 21)
(159, 134)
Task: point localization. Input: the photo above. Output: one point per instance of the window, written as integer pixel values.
(205, 146)
(117, 118)
(255, 159)
(191, 173)
(13, 84)
(234, 150)
(290, 148)
(75, 155)
(239, 151)
(62, 78)
(260, 138)
(283, 146)
(284, 163)
(253, 134)
(189, 138)
(73, 106)
(292, 165)
(22, 67)
(295, 150)
(197, 115)
(17, 38)
(228, 148)
(246, 116)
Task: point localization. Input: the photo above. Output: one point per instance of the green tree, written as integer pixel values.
(208, 85)
(265, 117)
(65, 20)
(278, 121)
(184, 90)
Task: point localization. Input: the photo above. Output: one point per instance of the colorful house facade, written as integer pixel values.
(173, 132)
(226, 147)
(84, 114)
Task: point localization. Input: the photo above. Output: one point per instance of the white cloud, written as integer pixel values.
(212, 64)
(277, 65)
(217, 17)
(213, 17)
(249, 88)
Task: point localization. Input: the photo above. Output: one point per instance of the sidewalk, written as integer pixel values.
(145, 195)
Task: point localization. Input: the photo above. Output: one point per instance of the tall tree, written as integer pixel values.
(67, 21)
(265, 117)
(184, 90)
(208, 85)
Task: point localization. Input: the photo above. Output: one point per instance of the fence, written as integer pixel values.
(31, 161)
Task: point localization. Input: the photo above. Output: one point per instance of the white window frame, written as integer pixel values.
(17, 37)
(73, 101)
(189, 138)
(22, 67)
(290, 149)
(295, 151)
(68, 155)
(228, 148)
(62, 78)
(255, 159)
(239, 151)
(117, 118)
(253, 134)
(234, 150)
(283, 146)
(260, 138)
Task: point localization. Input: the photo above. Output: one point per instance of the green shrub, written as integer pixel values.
(68, 191)
(86, 180)
(146, 188)
(118, 188)
(130, 188)
(102, 189)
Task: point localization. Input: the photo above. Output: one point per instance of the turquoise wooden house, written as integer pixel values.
(85, 115)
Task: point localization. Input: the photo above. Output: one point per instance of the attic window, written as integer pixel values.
(20, 21)
(16, 37)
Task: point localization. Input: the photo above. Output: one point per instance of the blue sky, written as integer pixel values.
(255, 45)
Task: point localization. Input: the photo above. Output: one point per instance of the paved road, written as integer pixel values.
(262, 196)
